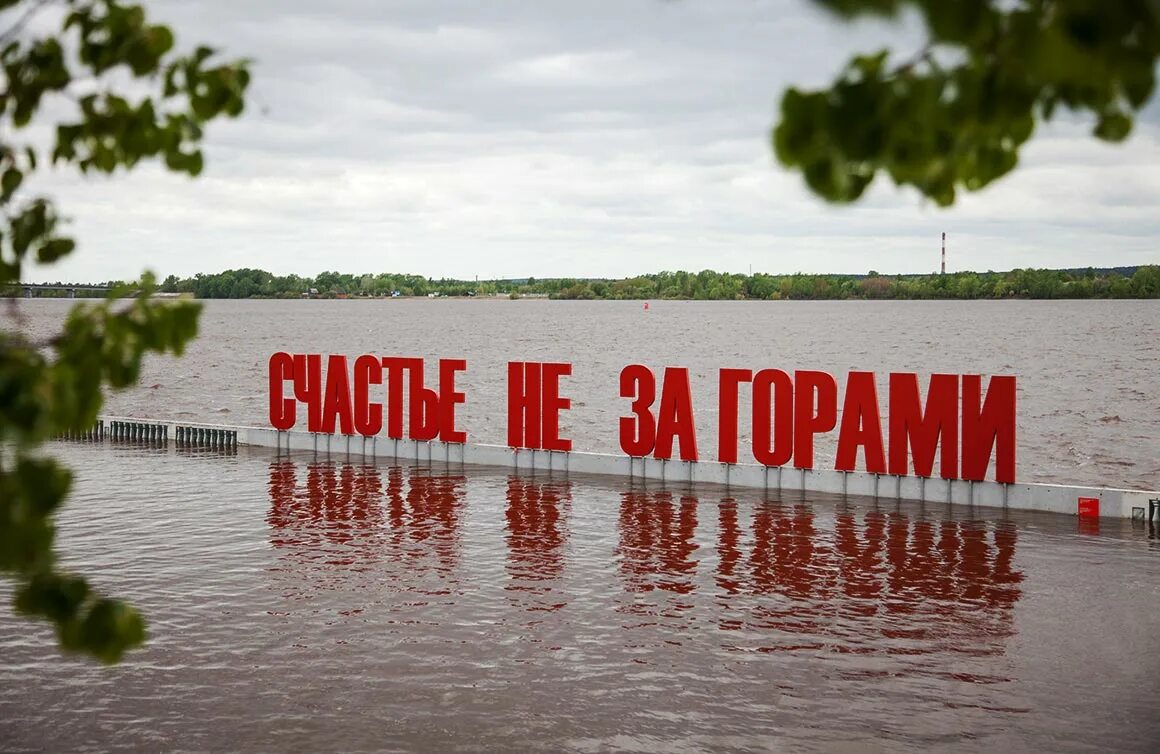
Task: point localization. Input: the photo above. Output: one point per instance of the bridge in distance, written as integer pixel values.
(72, 290)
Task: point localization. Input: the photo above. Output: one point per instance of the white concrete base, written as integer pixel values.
(1114, 503)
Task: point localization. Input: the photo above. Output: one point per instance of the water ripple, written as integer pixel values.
(302, 603)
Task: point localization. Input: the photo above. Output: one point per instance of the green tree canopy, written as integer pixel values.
(955, 114)
(99, 52)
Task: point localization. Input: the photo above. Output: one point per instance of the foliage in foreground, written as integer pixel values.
(956, 113)
(55, 386)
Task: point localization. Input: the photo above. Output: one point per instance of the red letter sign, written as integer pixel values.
(729, 379)
(524, 396)
(282, 410)
(922, 430)
(337, 403)
(448, 398)
(368, 414)
(772, 417)
(394, 366)
(552, 404)
(534, 405)
(988, 425)
(638, 435)
(806, 423)
(675, 418)
(308, 388)
(787, 413)
(861, 425)
(424, 406)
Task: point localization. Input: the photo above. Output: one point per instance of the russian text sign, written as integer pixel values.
(961, 426)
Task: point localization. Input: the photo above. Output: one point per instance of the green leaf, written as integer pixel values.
(54, 249)
(55, 596)
(1113, 127)
(9, 182)
(160, 40)
(109, 630)
(195, 163)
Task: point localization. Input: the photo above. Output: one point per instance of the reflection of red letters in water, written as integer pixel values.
(536, 537)
(728, 547)
(1002, 590)
(656, 542)
(783, 550)
(425, 521)
(928, 586)
(860, 561)
(784, 561)
(283, 481)
(345, 516)
(331, 521)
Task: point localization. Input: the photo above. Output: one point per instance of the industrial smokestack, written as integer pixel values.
(944, 254)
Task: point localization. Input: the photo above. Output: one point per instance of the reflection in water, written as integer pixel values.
(779, 577)
(334, 521)
(425, 521)
(345, 519)
(198, 451)
(656, 565)
(1088, 525)
(537, 535)
(888, 583)
(656, 542)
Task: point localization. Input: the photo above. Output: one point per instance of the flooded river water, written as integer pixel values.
(1088, 371)
(307, 603)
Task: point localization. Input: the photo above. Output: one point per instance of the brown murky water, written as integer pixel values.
(303, 604)
(306, 604)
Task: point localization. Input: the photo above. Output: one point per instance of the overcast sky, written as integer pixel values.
(507, 139)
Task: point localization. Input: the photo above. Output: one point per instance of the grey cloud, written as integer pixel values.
(562, 138)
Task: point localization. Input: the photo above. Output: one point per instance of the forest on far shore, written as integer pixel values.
(1120, 282)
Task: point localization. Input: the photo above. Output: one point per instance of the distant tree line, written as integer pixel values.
(1120, 282)
(1139, 282)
